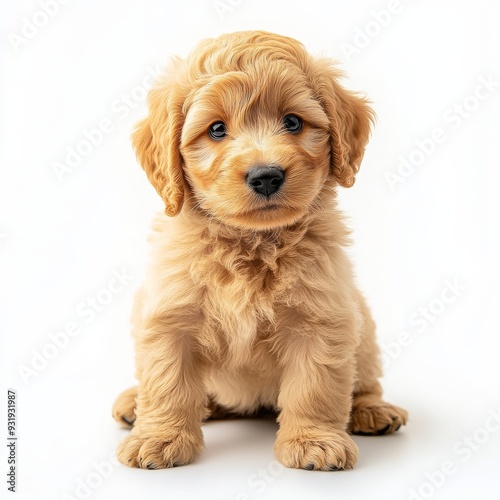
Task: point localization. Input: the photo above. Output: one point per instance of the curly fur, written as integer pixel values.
(251, 303)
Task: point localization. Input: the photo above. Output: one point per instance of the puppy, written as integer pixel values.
(250, 301)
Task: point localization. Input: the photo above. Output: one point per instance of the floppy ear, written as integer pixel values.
(350, 121)
(156, 140)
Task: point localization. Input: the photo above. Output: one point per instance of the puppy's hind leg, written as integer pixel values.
(370, 414)
(124, 408)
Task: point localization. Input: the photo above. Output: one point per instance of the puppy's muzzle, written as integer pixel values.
(265, 181)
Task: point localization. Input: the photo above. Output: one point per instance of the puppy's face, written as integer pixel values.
(251, 128)
(256, 147)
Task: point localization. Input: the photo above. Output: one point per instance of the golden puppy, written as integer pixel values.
(250, 300)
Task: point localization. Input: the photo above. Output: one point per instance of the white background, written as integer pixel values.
(61, 240)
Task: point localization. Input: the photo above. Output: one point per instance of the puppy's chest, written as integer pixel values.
(247, 285)
(240, 301)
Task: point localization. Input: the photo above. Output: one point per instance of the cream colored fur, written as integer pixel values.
(251, 303)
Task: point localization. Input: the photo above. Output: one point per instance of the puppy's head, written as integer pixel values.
(250, 128)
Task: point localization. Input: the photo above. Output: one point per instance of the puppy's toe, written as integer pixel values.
(331, 450)
(158, 452)
(377, 419)
(124, 408)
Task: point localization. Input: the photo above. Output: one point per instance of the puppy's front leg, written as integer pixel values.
(314, 403)
(171, 400)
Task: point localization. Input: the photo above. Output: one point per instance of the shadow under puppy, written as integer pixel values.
(250, 301)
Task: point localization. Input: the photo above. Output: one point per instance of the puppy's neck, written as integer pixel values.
(323, 223)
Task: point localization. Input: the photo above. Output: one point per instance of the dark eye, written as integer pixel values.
(293, 124)
(217, 131)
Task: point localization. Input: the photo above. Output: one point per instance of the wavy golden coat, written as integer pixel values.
(250, 301)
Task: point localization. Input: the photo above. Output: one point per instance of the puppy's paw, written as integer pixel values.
(124, 408)
(327, 451)
(376, 419)
(158, 452)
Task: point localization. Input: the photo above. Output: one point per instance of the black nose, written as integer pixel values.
(265, 180)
